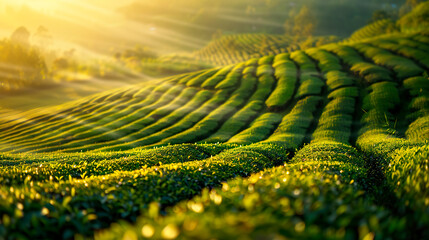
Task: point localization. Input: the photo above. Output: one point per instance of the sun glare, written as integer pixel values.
(285, 119)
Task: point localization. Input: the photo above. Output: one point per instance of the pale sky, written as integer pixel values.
(53, 4)
(96, 26)
(93, 24)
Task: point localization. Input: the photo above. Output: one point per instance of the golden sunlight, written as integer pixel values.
(214, 119)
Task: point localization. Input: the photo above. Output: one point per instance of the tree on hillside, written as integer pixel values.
(21, 36)
(301, 24)
(288, 25)
(380, 15)
(42, 38)
(414, 3)
(408, 6)
(305, 22)
(21, 65)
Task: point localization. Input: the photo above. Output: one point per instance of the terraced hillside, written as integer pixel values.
(374, 29)
(236, 48)
(327, 142)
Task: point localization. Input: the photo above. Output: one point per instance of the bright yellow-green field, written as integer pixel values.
(322, 143)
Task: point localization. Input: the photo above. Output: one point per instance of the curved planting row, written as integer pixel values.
(114, 195)
(312, 197)
(398, 161)
(320, 143)
(374, 29)
(208, 106)
(237, 48)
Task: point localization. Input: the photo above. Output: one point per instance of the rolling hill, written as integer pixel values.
(344, 121)
(380, 27)
(236, 48)
(321, 143)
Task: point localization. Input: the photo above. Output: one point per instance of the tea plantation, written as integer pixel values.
(236, 48)
(323, 143)
(330, 142)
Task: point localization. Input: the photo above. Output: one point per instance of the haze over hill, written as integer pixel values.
(169, 26)
(256, 135)
(126, 41)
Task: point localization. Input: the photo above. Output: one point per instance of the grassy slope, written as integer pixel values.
(345, 154)
(236, 48)
(200, 106)
(374, 29)
(272, 105)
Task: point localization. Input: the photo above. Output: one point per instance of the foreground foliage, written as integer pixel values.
(315, 144)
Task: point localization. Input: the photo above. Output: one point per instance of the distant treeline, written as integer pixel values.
(20, 66)
(27, 62)
(203, 18)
